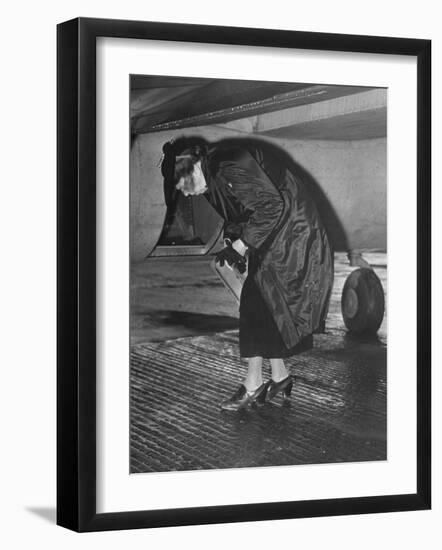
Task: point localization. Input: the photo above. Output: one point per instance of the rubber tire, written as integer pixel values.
(363, 302)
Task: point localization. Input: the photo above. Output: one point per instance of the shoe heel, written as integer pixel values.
(261, 399)
(288, 390)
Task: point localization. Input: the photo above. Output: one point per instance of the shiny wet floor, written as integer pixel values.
(184, 362)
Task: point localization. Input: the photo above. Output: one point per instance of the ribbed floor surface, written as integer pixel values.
(337, 412)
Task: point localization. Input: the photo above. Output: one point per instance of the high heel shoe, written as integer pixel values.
(285, 386)
(242, 398)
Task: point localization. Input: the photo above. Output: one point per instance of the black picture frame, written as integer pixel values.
(76, 273)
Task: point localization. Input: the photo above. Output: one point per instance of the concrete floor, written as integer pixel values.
(184, 362)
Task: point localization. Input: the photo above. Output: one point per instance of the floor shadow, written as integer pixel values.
(201, 323)
(352, 339)
(46, 513)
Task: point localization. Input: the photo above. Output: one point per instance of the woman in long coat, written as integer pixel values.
(273, 222)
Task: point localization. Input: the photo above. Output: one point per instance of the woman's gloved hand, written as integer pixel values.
(232, 257)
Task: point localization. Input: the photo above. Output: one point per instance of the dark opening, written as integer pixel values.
(190, 221)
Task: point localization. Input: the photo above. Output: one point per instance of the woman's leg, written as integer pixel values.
(254, 374)
(251, 391)
(279, 371)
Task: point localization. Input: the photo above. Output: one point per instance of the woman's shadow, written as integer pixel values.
(328, 215)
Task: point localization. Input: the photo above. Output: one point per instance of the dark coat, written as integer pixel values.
(257, 189)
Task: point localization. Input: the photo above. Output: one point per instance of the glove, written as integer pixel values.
(232, 257)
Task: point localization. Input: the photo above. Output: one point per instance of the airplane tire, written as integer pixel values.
(363, 302)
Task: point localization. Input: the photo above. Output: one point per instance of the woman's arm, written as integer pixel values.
(257, 193)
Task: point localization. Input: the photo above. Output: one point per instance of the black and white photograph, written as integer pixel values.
(258, 273)
(220, 328)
